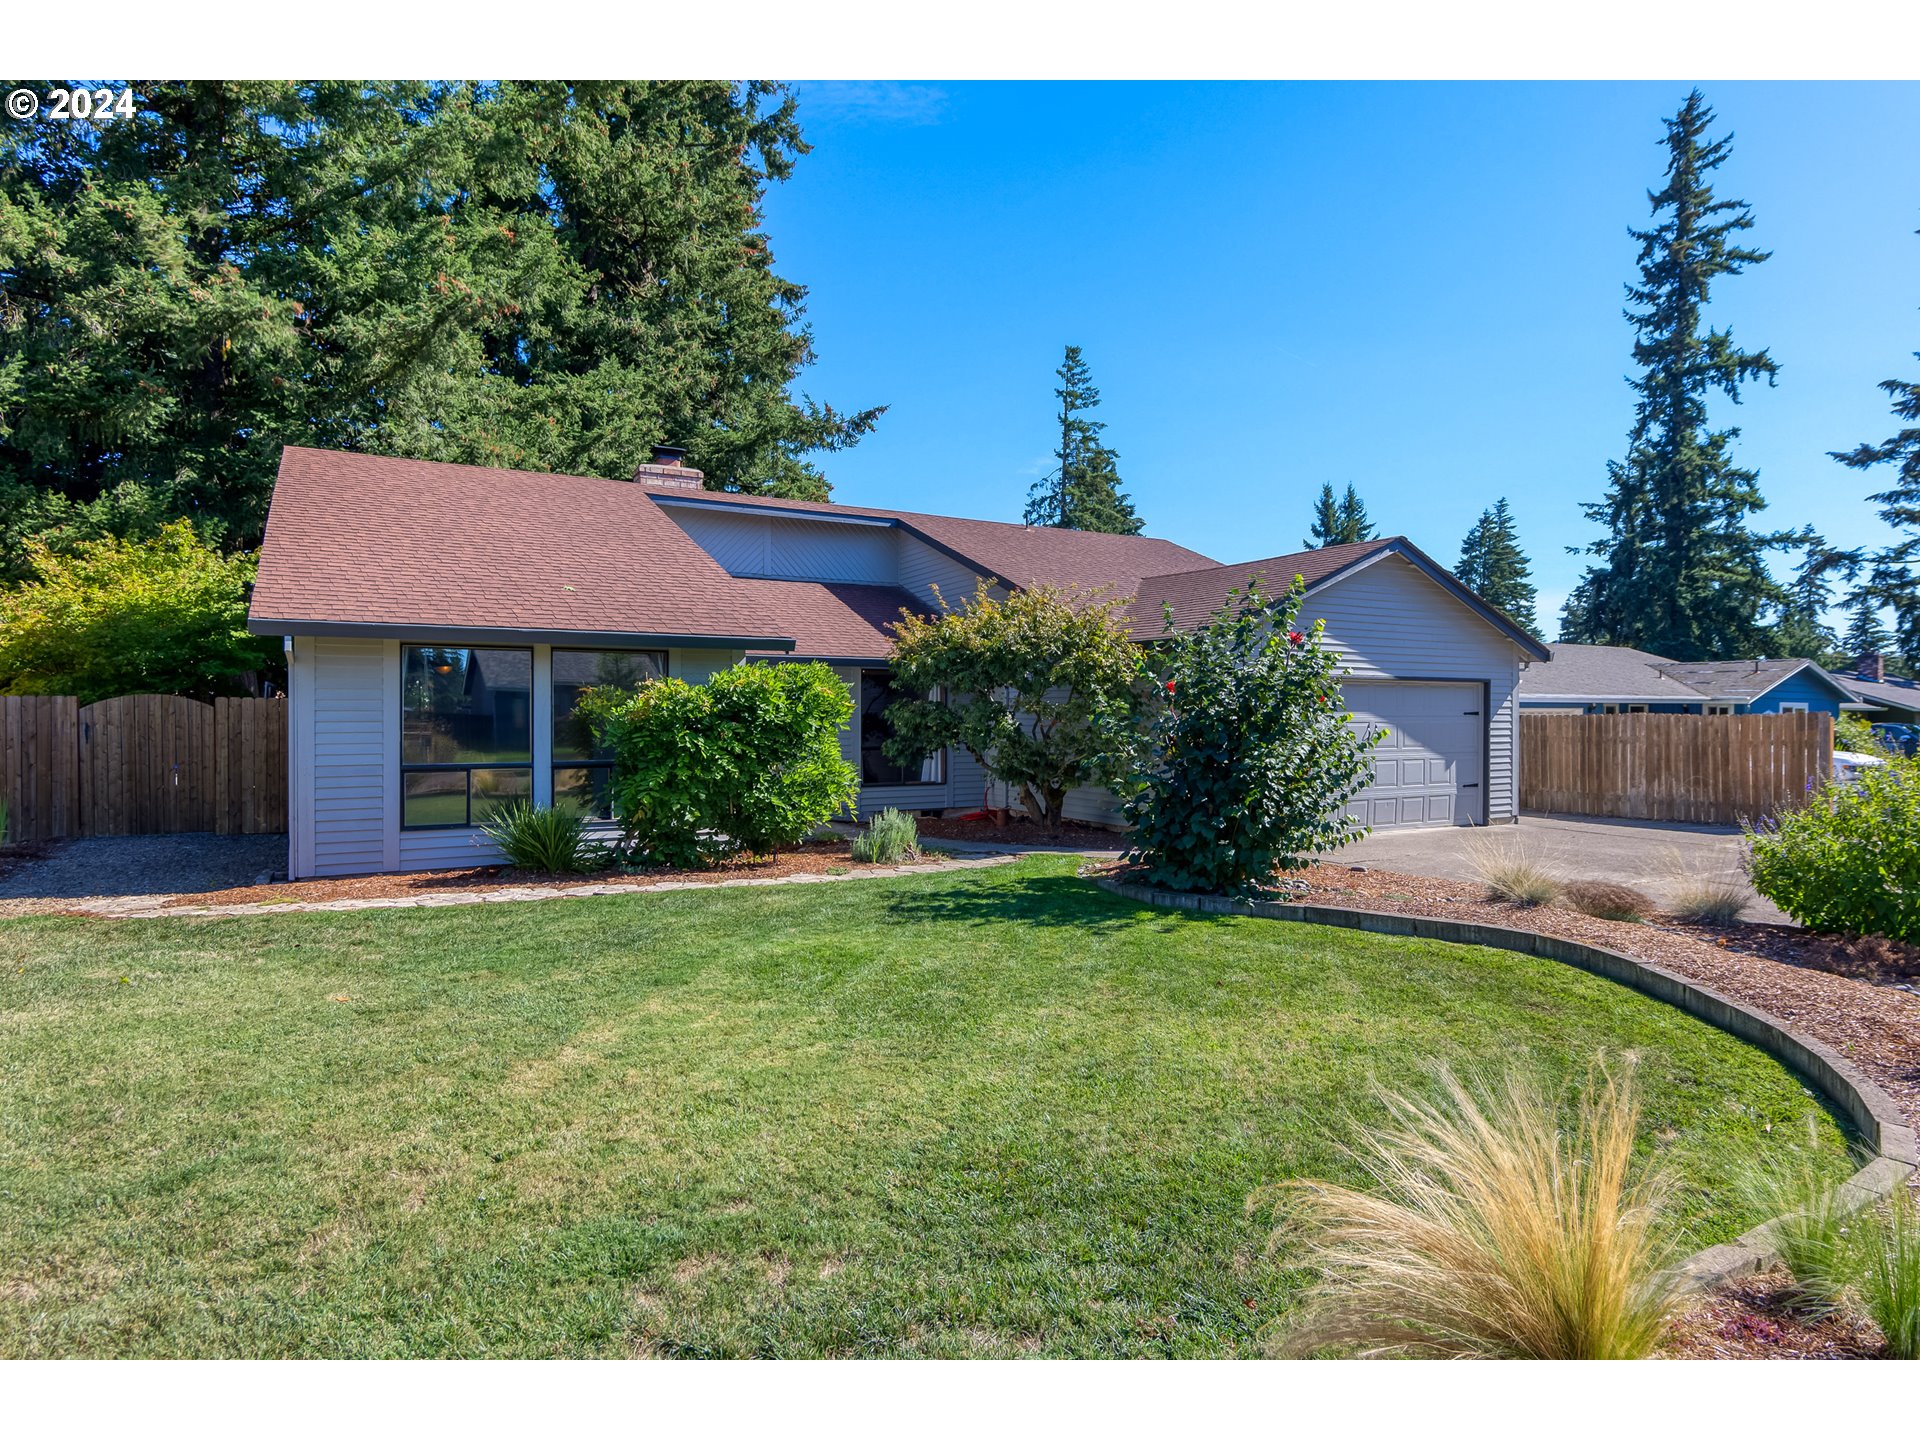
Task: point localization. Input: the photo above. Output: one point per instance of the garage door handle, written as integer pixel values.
(1471, 785)
(1469, 712)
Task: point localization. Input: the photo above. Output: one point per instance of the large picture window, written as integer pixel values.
(877, 692)
(466, 733)
(582, 773)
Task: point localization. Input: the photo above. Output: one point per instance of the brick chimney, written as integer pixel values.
(1872, 667)
(668, 470)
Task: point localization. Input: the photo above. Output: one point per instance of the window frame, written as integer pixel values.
(554, 764)
(1794, 707)
(466, 767)
(1718, 707)
(860, 747)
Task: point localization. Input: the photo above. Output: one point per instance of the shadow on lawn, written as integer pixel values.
(1062, 900)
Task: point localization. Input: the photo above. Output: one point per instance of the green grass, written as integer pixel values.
(988, 1113)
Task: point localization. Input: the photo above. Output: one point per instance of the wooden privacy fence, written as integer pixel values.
(1709, 769)
(142, 765)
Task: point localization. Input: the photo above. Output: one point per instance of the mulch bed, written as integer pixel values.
(1021, 831)
(817, 858)
(1756, 1319)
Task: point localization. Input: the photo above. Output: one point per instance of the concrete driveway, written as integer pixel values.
(1652, 856)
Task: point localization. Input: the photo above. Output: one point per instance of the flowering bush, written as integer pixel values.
(1250, 756)
(1848, 860)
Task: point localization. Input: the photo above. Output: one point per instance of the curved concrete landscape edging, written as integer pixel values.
(1867, 1107)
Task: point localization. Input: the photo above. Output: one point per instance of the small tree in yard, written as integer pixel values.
(1250, 756)
(1042, 688)
(114, 617)
(748, 762)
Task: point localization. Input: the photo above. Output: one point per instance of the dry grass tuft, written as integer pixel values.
(1708, 902)
(1605, 900)
(1511, 876)
(1503, 1224)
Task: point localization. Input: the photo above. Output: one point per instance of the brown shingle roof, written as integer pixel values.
(1023, 555)
(1197, 594)
(362, 540)
(833, 621)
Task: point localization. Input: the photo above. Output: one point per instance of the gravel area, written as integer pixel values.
(126, 866)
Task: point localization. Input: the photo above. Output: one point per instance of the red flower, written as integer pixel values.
(1296, 637)
(1169, 687)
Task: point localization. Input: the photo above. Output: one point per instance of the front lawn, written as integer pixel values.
(984, 1113)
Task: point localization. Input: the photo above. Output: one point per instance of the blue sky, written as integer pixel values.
(1413, 287)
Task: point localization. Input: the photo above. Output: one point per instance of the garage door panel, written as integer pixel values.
(1429, 763)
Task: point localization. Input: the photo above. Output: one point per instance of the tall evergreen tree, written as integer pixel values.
(1865, 634)
(1801, 632)
(1893, 581)
(1680, 573)
(1341, 521)
(1082, 492)
(1494, 567)
(548, 276)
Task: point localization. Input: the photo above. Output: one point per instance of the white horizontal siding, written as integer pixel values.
(1390, 621)
(783, 547)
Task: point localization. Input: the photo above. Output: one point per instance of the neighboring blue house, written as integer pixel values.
(1610, 679)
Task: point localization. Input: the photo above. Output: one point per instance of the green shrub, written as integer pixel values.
(549, 838)
(1848, 860)
(890, 837)
(1250, 755)
(748, 762)
(1855, 732)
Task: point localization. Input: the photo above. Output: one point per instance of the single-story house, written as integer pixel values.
(1609, 679)
(1892, 697)
(440, 621)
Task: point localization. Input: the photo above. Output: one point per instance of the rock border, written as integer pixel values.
(1870, 1109)
(154, 907)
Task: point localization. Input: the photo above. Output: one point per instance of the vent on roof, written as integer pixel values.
(668, 470)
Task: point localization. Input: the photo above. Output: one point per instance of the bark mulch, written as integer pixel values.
(816, 858)
(1756, 1319)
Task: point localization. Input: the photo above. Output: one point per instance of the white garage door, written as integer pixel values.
(1429, 767)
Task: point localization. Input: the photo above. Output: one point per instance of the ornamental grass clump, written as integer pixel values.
(890, 837)
(1500, 1223)
(1890, 1276)
(1250, 754)
(1605, 900)
(1511, 877)
(552, 839)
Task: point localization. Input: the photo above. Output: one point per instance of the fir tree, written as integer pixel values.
(1893, 579)
(543, 275)
(1083, 491)
(1679, 572)
(1865, 633)
(1801, 632)
(1494, 567)
(1341, 521)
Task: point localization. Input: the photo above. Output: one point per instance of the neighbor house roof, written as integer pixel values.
(1612, 673)
(1893, 692)
(1618, 673)
(1022, 555)
(834, 621)
(1194, 595)
(1744, 680)
(363, 544)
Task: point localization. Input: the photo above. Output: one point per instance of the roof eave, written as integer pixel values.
(430, 633)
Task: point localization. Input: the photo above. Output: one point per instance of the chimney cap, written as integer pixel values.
(669, 454)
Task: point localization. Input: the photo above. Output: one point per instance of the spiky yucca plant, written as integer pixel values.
(1502, 1224)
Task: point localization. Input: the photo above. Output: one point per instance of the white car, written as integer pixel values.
(1847, 764)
